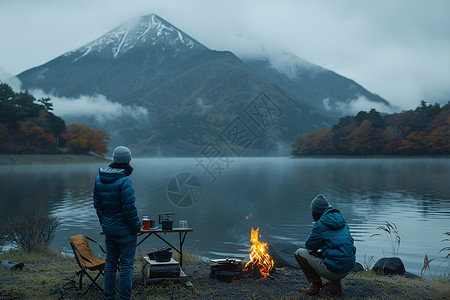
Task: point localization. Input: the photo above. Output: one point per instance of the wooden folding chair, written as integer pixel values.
(86, 259)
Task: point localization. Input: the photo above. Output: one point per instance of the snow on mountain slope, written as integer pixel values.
(146, 29)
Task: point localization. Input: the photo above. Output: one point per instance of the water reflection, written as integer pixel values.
(270, 193)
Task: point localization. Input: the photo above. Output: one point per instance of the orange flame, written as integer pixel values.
(259, 255)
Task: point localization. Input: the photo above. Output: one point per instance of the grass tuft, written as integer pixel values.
(390, 230)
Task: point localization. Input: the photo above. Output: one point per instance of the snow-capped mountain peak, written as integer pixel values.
(146, 29)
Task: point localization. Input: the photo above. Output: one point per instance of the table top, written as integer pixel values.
(157, 230)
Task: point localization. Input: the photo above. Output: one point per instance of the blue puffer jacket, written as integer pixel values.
(114, 203)
(331, 234)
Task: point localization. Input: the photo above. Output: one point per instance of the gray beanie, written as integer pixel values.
(121, 155)
(320, 204)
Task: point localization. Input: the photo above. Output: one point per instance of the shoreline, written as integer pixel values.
(373, 156)
(45, 159)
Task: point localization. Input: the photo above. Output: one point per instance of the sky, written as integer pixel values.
(398, 49)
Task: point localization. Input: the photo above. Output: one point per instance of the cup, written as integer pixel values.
(183, 224)
(145, 223)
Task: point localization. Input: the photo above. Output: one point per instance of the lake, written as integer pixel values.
(223, 200)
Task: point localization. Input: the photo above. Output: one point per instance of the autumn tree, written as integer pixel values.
(27, 125)
(415, 143)
(35, 135)
(439, 138)
(425, 130)
(82, 139)
(391, 140)
(319, 141)
(360, 142)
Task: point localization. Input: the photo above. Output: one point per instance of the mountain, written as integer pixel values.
(195, 97)
(323, 89)
(119, 63)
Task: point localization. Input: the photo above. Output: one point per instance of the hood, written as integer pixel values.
(110, 175)
(333, 219)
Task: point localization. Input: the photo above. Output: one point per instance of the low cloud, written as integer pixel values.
(7, 78)
(289, 64)
(403, 57)
(201, 104)
(361, 103)
(353, 106)
(97, 107)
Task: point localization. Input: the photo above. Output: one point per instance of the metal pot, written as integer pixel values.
(166, 221)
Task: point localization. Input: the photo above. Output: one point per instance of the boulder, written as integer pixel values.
(357, 267)
(389, 266)
(283, 253)
(6, 264)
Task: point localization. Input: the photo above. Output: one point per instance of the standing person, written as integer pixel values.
(329, 249)
(116, 211)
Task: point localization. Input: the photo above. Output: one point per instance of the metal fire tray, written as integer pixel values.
(234, 261)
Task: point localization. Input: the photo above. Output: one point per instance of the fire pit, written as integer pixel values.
(261, 264)
(260, 260)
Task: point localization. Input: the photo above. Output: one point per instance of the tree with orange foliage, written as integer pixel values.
(439, 138)
(424, 131)
(322, 141)
(319, 141)
(360, 138)
(82, 139)
(391, 140)
(35, 135)
(415, 143)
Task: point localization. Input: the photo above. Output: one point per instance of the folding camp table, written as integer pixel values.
(182, 232)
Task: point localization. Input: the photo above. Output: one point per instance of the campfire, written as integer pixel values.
(259, 256)
(260, 265)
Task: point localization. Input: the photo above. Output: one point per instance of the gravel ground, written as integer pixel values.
(286, 284)
(57, 280)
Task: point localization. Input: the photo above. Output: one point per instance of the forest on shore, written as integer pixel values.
(422, 131)
(28, 126)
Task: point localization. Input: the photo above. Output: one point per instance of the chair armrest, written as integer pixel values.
(101, 248)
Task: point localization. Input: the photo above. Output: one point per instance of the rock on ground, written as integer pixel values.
(283, 254)
(389, 266)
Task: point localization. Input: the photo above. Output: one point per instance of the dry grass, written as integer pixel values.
(44, 273)
(390, 230)
(402, 287)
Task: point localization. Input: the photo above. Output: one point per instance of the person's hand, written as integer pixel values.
(316, 254)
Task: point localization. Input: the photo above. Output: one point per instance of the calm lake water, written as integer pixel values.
(270, 193)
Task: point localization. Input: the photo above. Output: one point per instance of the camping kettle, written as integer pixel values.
(166, 221)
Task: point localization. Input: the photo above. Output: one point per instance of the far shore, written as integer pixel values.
(371, 156)
(44, 159)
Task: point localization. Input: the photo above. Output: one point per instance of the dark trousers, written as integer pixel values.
(125, 249)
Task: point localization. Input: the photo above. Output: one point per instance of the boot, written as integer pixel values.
(311, 276)
(334, 287)
(307, 269)
(314, 289)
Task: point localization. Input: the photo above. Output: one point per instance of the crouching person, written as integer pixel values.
(329, 249)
